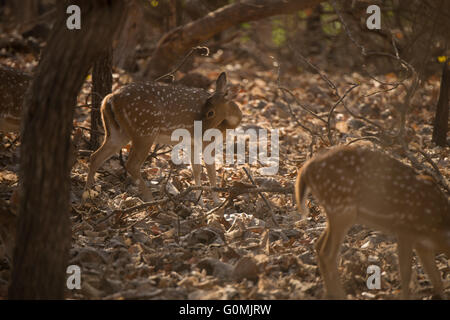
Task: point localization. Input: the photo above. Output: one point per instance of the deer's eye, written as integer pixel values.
(210, 114)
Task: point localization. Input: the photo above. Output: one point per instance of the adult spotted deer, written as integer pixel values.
(148, 113)
(359, 186)
(13, 86)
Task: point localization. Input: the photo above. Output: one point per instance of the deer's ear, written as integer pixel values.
(221, 83)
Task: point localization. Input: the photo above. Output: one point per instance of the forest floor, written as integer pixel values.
(180, 250)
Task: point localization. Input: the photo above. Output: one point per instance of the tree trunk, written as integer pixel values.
(101, 86)
(441, 120)
(174, 44)
(43, 230)
(125, 48)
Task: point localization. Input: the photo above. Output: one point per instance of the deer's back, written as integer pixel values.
(385, 192)
(150, 107)
(13, 86)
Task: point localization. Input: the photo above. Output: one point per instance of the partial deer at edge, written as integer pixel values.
(13, 86)
(359, 186)
(148, 113)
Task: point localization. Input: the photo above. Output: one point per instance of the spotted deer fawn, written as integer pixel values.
(148, 113)
(359, 186)
(13, 86)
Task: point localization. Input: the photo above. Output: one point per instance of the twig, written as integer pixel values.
(347, 30)
(176, 202)
(137, 208)
(364, 52)
(247, 172)
(436, 169)
(204, 51)
(88, 129)
(330, 84)
(164, 186)
(87, 105)
(365, 138)
(436, 175)
(319, 72)
(220, 206)
(13, 142)
(285, 90)
(312, 133)
(155, 154)
(360, 117)
(410, 90)
(234, 190)
(334, 107)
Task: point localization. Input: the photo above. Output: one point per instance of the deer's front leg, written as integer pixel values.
(211, 169)
(405, 255)
(139, 152)
(197, 173)
(328, 249)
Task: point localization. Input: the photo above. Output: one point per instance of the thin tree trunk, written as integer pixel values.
(174, 44)
(125, 48)
(44, 231)
(441, 120)
(101, 86)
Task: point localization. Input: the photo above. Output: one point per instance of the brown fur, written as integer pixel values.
(359, 186)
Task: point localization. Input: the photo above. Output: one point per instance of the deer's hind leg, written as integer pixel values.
(211, 170)
(197, 173)
(113, 142)
(405, 255)
(139, 152)
(328, 246)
